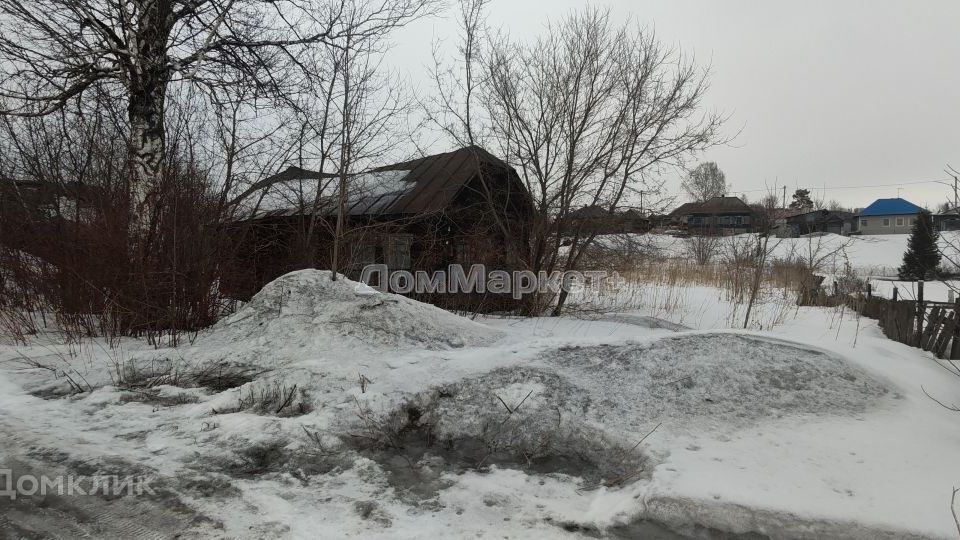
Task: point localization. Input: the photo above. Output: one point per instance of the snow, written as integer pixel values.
(933, 291)
(879, 469)
(810, 424)
(870, 255)
(366, 188)
(307, 310)
(683, 379)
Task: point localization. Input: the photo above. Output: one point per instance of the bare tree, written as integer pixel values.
(359, 116)
(705, 182)
(453, 109)
(819, 253)
(703, 247)
(762, 250)
(770, 201)
(590, 114)
(836, 206)
(456, 110)
(56, 51)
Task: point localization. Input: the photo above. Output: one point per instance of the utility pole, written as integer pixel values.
(784, 195)
(642, 193)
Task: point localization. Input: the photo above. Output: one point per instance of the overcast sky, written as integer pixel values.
(828, 94)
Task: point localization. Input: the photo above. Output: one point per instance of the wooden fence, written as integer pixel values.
(931, 326)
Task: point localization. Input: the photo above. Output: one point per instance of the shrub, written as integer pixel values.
(70, 246)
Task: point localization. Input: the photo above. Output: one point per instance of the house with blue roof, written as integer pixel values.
(888, 216)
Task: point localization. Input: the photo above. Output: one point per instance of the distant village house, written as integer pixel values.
(719, 215)
(888, 216)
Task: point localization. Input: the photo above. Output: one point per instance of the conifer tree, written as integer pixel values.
(801, 200)
(922, 258)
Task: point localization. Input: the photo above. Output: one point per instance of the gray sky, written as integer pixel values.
(827, 93)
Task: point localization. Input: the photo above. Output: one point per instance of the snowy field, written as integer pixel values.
(874, 258)
(874, 255)
(322, 410)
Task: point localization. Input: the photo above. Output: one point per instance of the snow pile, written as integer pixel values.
(512, 418)
(685, 379)
(306, 309)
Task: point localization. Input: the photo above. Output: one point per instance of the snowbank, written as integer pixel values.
(306, 309)
(417, 423)
(716, 379)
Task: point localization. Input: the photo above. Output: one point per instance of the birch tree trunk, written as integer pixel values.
(147, 77)
(147, 145)
(345, 159)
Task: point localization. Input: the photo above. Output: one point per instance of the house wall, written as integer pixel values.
(720, 223)
(895, 224)
(947, 222)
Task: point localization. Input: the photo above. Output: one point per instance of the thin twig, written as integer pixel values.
(645, 436)
(505, 406)
(953, 509)
(953, 408)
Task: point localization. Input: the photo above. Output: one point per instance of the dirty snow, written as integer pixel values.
(412, 422)
(306, 309)
(684, 379)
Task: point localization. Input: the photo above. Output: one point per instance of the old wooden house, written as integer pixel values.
(721, 215)
(465, 207)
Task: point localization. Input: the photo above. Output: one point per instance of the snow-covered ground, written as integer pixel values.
(873, 258)
(322, 410)
(874, 255)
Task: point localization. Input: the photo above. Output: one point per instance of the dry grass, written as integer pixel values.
(275, 399)
(781, 278)
(666, 288)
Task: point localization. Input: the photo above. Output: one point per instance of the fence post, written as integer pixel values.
(955, 342)
(895, 291)
(869, 290)
(921, 311)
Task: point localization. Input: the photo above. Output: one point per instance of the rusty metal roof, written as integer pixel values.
(437, 179)
(419, 186)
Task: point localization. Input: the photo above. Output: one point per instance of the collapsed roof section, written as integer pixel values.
(419, 186)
